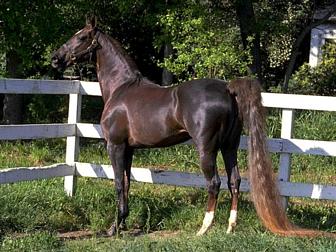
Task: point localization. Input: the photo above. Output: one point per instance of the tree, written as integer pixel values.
(12, 103)
(249, 33)
(28, 29)
(167, 76)
(189, 39)
(31, 30)
(204, 43)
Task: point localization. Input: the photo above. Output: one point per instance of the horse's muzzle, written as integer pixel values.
(58, 62)
(55, 61)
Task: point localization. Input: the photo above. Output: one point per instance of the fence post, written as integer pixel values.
(72, 146)
(287, 122)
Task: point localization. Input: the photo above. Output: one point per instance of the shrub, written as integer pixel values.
(202, 50)
(319, 80)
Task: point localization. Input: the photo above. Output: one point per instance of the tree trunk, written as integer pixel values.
(167, 77)
(247, 23)
(12, 103)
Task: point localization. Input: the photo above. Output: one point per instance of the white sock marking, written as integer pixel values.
(207, 221)
(232, 221)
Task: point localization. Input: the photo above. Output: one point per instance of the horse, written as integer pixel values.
(141, 114)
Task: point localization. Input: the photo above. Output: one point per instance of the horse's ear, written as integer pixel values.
(91, 21)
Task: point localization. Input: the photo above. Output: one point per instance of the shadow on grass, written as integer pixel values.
(314, 217)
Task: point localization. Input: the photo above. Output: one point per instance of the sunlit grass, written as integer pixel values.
(32, 213)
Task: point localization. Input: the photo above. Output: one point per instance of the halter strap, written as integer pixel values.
(90, 49)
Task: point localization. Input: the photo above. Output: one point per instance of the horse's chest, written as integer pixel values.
(114, 125)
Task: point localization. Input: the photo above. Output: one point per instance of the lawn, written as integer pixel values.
(162, 218)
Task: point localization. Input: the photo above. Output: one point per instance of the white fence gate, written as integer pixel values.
(74, 129)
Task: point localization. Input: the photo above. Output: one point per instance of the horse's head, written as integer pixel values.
(79, 48)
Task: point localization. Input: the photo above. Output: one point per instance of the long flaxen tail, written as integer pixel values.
(264, 190)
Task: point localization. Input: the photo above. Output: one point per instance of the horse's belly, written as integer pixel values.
(153, 140)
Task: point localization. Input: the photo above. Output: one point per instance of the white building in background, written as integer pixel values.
(319, 35)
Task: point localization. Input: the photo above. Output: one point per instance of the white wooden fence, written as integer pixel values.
(74, 129)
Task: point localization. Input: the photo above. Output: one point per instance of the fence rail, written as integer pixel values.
(74, 129)
(36, 131)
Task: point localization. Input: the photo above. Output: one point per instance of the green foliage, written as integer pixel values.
(29, 28)
(205, 37)
(46, 109)
(204, 34)
(2, 65)
(319, 80)
(201, 50)
(279, 49)
(280, 23)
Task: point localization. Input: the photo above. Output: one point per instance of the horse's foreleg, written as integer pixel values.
(234, 179)
(120, 162)
(127, 181)
(208, 164)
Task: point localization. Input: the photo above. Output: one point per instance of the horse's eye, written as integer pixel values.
(83, 38)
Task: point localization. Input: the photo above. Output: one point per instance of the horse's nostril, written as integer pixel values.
(55, 62)
(54, 59)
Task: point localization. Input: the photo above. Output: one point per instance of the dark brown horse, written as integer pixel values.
(139, 114)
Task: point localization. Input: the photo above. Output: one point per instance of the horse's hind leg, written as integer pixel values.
(208, 164)
(230, 159)
(121, 158)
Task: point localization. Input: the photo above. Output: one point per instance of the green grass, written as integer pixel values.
(32, 153)
(183, 241)
(167, 217)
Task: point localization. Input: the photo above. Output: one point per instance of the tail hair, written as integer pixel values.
(263, 186)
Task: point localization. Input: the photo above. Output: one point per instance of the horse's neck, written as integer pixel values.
(113, 68)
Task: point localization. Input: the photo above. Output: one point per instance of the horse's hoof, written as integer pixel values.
(112, 231)
(229, 230)
(200, 232)
(122, 226)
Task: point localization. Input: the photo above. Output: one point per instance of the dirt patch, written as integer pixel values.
(80, 234)
(85, 234)
(163, 234)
